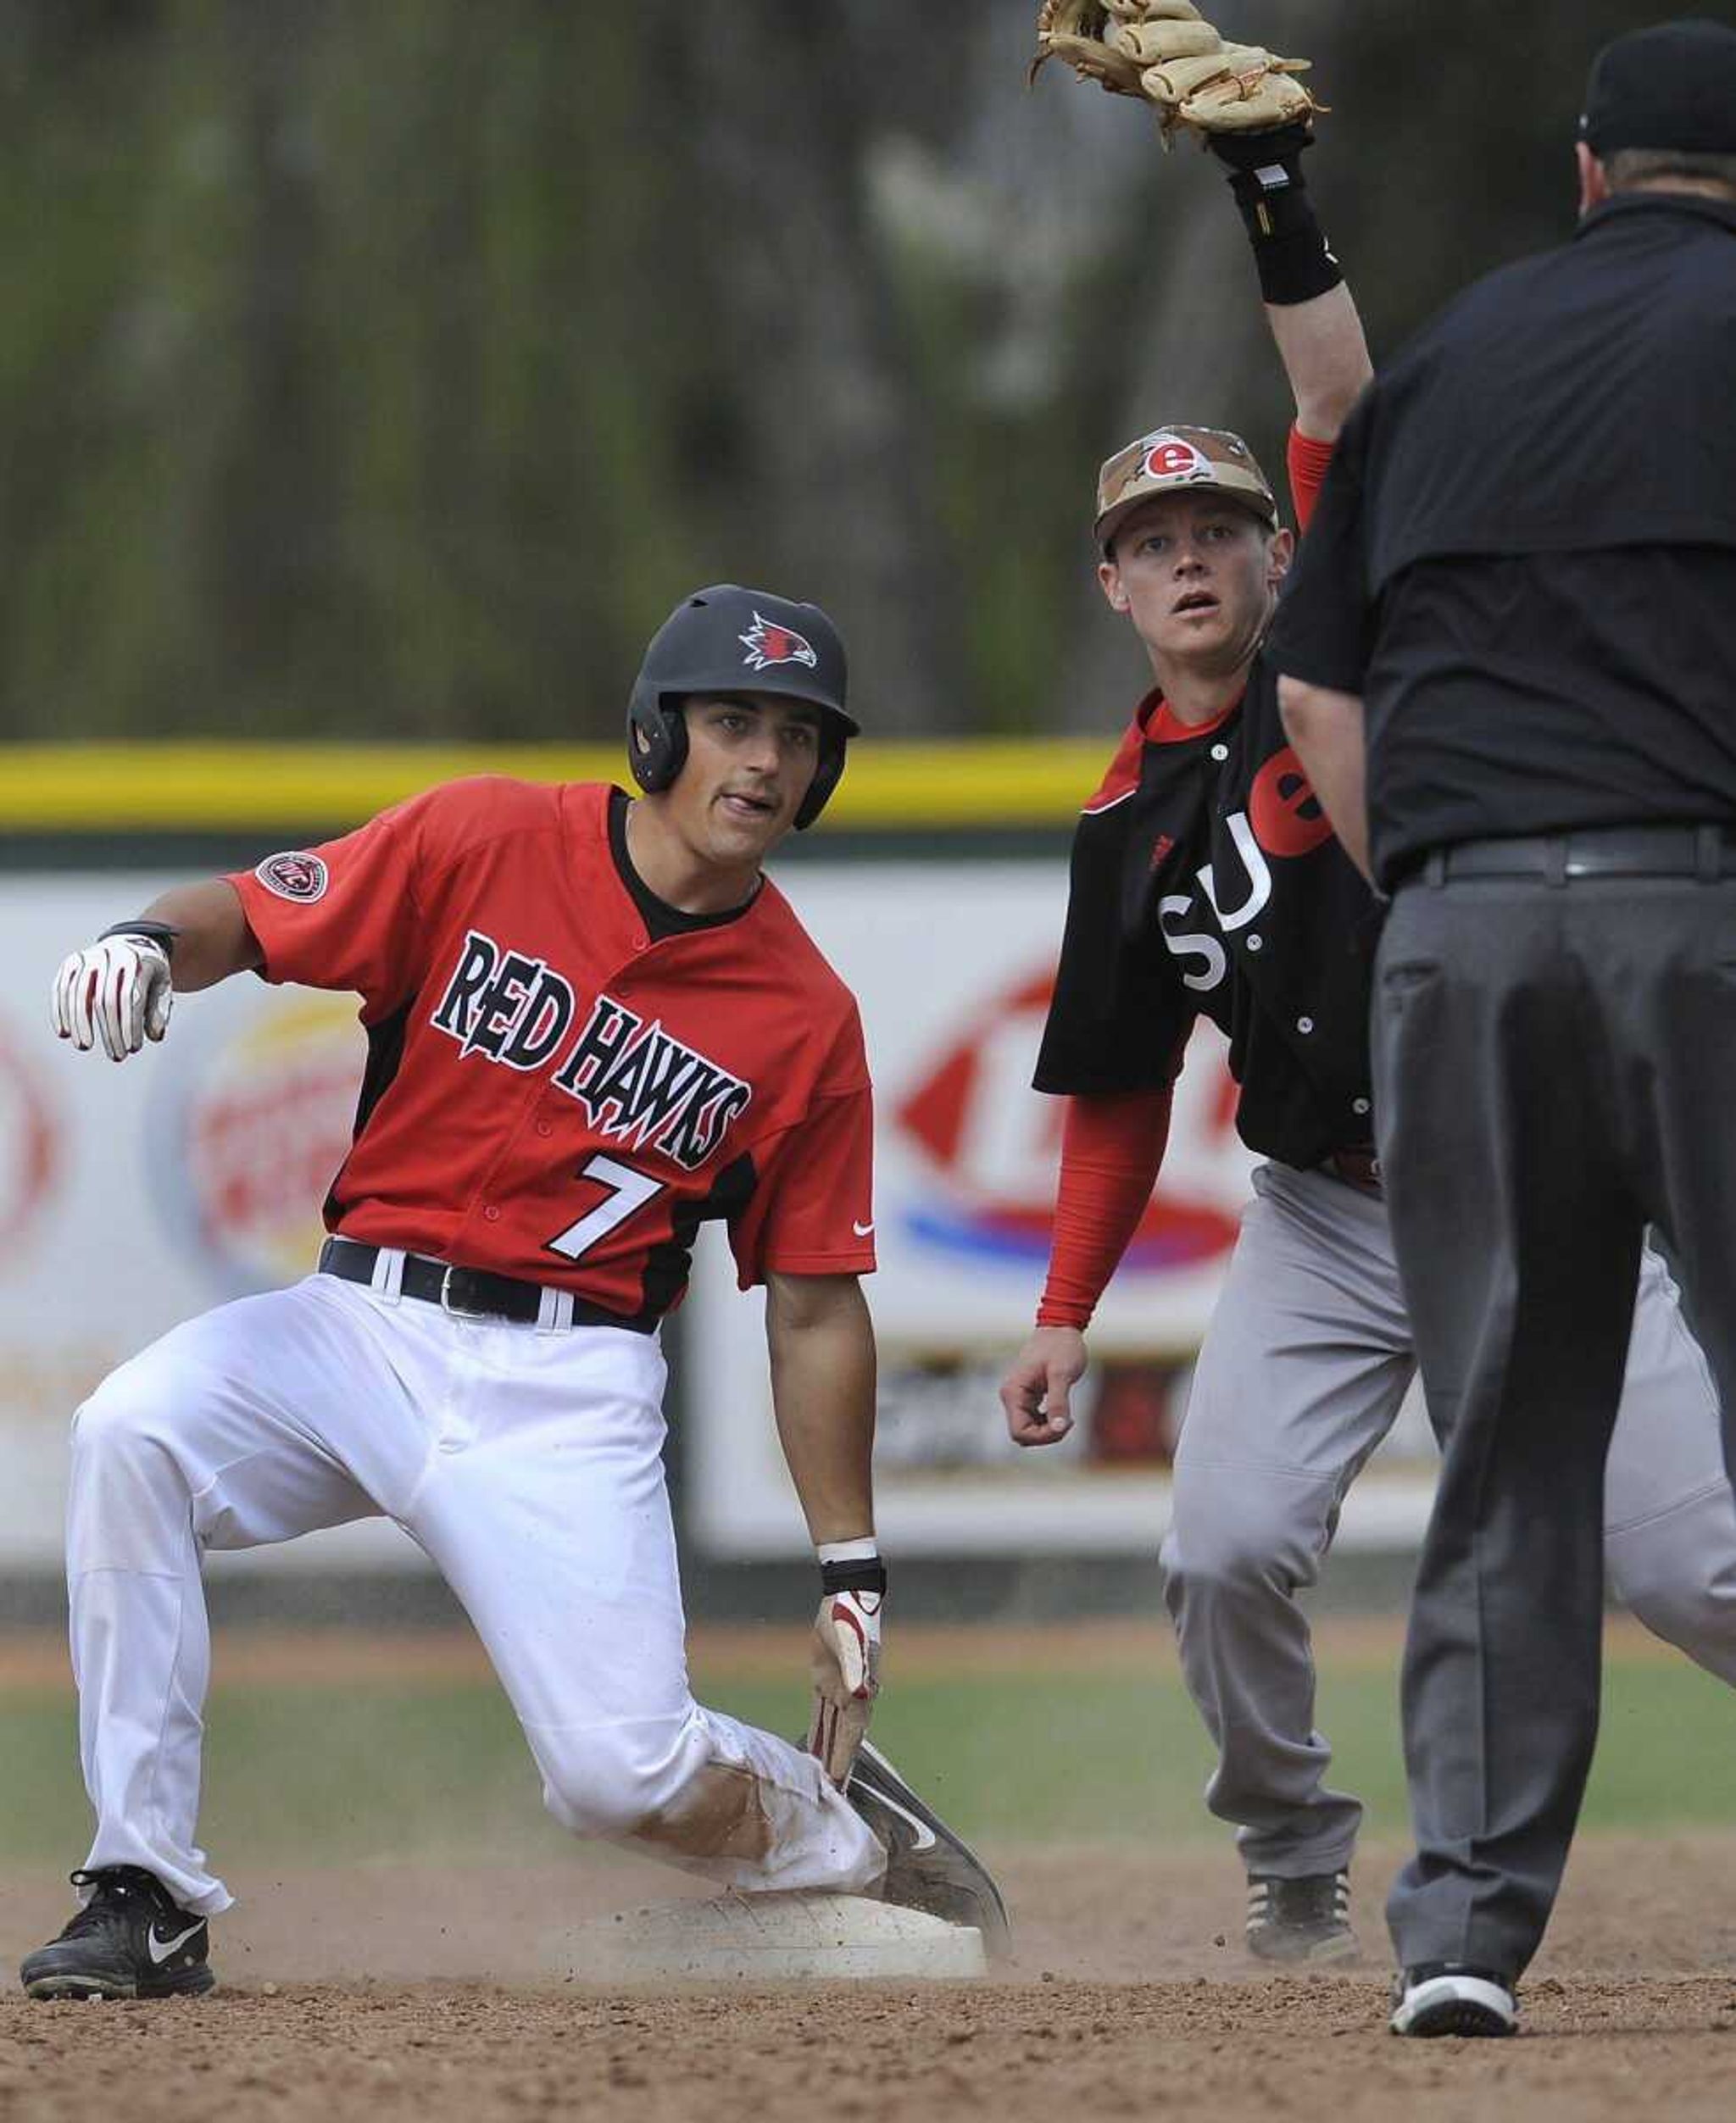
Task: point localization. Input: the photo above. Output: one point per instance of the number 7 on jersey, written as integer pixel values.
(629, 1190)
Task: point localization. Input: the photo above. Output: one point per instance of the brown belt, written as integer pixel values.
(1356, 1168)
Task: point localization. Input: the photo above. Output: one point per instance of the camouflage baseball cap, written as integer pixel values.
(1173, 459)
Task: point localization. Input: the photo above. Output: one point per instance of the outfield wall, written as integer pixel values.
(130, 1199)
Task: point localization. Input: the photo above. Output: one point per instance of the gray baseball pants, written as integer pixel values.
(1308, 1353)
(1553, 1072)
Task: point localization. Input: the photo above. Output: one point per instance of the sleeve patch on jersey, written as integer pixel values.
(293, 875)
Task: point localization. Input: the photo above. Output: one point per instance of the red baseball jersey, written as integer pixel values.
(551, 1091)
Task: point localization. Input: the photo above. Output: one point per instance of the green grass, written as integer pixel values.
(1101, 1757)
(386, 1771)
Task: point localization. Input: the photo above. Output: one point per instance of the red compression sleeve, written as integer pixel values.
(1111, 1148)
(1307, 459)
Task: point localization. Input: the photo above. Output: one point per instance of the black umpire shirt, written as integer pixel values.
(1524, 556)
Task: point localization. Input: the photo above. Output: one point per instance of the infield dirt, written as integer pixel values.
(438, 1990)
(440, 1993)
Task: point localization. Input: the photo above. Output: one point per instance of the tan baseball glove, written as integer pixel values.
(1166, 53)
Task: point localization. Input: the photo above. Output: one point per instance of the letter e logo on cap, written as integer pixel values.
(1170, 457)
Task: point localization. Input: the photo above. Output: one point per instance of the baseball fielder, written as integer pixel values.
(1206, 881)
(593, 1024)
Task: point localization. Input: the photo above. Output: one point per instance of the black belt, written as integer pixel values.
(1359, 1167)
(472, 1293)
(1707, 853)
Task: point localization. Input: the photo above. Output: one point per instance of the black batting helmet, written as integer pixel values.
(728, 640)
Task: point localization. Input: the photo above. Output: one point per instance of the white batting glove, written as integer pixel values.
(118, 991)
(845, 1666)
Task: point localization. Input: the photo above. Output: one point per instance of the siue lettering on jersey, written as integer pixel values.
(1283, 819)
(1231, 919)
(1211, 960)
(1289, 818)
(635, 1082)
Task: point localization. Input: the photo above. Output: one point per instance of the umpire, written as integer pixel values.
(1525, 560)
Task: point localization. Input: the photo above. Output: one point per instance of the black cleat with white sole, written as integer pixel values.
(1446, 1997)
(927, 1868)
(130, 1940)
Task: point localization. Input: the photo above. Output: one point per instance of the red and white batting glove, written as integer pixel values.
(845, 1662)
(117, 990)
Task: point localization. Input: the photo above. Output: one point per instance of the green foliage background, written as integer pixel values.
(389, 367)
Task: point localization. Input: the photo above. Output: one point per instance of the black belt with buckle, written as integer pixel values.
(1707, 853)
(468, 1293)
(1359, 1167)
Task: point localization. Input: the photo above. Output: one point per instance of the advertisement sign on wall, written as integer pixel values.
(133, 1197)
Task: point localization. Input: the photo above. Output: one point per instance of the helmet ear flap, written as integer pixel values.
(657, 739)
(827, 774)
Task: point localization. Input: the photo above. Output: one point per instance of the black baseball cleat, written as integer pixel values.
(1445, 1997)
(927, 1868)
(1304, 1922)
(130, 1940)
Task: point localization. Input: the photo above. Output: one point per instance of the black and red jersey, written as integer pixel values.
(1207, 881)
(553, 1091)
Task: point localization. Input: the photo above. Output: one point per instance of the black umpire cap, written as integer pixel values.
(1672, 87)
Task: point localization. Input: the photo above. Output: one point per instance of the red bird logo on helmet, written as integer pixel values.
(767, 642)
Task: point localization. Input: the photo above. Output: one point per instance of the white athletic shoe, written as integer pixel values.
(1440, 1998)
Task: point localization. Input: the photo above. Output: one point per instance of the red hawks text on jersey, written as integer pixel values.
(551, 1092)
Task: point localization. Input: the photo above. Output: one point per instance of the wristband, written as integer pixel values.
(1290, 249)
(864, 1574)
(161, 933)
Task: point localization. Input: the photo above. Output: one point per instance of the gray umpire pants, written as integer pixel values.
(1552, 1071)
(1304, 1366)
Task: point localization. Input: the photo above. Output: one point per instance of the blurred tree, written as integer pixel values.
(389, 367)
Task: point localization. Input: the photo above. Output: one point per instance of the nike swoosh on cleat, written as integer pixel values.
(925, 1834)
(161, 1949)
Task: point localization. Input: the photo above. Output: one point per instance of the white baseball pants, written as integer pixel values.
(525, 1462)
(1307, 1358)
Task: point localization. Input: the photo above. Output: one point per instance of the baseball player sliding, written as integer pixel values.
(592, 1023)
(1206, 881)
